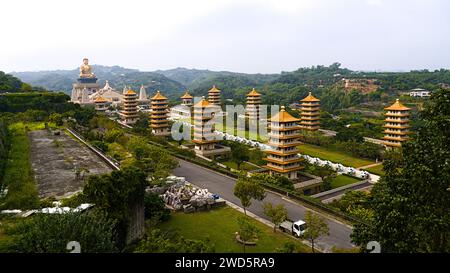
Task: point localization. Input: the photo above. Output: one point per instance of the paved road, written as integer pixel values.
(223, 185)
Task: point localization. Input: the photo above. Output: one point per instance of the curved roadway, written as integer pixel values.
(223, 185)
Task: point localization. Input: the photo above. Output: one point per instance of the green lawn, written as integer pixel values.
(220, 226)
(342, 180)
(376, 170)
(333, 156)
(22, 189)
(244, 166)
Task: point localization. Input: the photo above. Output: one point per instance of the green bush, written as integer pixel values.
(50, 233)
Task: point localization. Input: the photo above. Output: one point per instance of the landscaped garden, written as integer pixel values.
(220, 226)
(334, 156)
(342, 180)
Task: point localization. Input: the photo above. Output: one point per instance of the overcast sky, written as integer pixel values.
(254, 36)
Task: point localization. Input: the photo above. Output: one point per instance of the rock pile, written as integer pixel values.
(184, 196)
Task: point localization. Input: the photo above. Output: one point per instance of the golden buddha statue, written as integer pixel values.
(86, 70)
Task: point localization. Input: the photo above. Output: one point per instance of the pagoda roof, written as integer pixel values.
(186, 96)
(100, 99)
(130, 92)
(253, 93)
(310, 98)
(397, 106)
(214, 89)
(284, 116)
(158, 96)
(203, 103)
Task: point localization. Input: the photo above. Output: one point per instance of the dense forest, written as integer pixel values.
(283, 88)
(9, 83)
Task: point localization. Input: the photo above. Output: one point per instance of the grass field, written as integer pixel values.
(376, 170)
(342, 180)
(333, 156)
(220, 226)
(22, 190)
(244, 166)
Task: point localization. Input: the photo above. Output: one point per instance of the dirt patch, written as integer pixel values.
(55, 160)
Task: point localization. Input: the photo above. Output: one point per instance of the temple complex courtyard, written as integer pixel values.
(60, 163)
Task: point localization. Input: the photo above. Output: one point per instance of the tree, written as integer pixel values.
(56, 118)
(247, 189)
(155, 207)
(239, 154)
(277, 214)
(121, 195)
(247, 230)
(158, 241)
(411, 202)
(50, 233)
(315, 227)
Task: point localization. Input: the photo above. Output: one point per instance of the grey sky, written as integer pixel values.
(244, 36)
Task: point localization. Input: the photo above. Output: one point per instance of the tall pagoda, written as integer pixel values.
(158, 115)
(204, 137)
(310, 114)
(214, 96)
(253, 104)
(129, 112)
(187, 99)
(101, 104)
(282, 158)
(397, 125)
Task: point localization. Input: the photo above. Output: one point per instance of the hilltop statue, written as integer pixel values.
(86, 70)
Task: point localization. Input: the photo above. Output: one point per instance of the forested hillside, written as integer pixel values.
(9, 83)
(62, 80)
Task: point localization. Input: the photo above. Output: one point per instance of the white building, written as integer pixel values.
(419, 92)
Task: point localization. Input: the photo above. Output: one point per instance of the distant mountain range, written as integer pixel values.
(118, 77)
(277, 87)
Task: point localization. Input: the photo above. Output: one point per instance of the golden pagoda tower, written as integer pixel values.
(129, 112)
(397, 125)
(158, 115)
(310, 114)
(253, 103)
(214, 96)
(204, 137)
(101, 105)
(187, 99)
(283, 158)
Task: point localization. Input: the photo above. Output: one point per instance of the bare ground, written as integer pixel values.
(55, 159)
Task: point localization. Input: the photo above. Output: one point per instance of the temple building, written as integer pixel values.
(214, 96)
(101, 105)
(397, 125)
(187, 99)
(158, 115)
(282, 158)
(205, 141)
(310, 113)
(109, 94)
(129, 113)
(253, 105)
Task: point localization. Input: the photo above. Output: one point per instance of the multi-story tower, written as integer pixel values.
(101, 105)
(253, 103)
(214, 96)
(129, 112)
(187, 99)
(310, 113)
(397, 125)
(282, 158)
(204, 137)
(158, 115)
